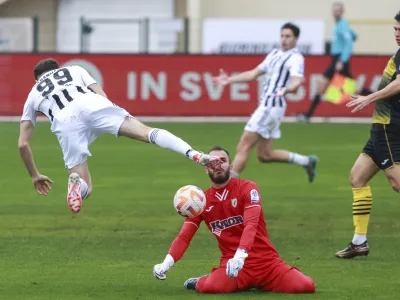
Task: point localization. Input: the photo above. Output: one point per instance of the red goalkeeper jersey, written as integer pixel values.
(235, 216)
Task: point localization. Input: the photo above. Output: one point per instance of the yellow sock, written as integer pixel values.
(362, 204)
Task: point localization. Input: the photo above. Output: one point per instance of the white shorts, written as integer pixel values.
(266, 121)
(81, 122)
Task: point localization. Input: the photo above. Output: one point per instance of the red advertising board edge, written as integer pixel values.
(180, 85)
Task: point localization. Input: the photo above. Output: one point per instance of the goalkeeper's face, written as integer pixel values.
(223, 175)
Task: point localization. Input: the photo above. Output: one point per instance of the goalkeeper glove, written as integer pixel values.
(236, 263)
(160, 270)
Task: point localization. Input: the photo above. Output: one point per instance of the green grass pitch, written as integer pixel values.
(107, 251)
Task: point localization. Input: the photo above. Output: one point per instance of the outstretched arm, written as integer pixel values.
(40, 182)
(223, 79)
(361, 102)
(178, 247)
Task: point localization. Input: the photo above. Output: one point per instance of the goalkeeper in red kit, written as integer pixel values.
(233, 213)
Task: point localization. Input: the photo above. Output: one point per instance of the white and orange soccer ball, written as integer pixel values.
(189, 201)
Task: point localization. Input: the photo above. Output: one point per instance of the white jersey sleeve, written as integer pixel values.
(297, 65)
(29, 112)
(263, 66)
(86, 78)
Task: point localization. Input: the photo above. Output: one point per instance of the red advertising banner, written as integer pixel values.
(179, 85)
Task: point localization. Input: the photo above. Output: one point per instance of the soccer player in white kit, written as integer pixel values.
(284, 73)
(79, 112)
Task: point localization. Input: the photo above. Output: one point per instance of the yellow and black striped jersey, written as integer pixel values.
(387, 111)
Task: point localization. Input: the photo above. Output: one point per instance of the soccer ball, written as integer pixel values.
(189, 201)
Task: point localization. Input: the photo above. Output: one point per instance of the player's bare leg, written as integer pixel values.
(79, 186)
(362, 172)
(134, 129)
(323, 84)
(266, 153)
(246, 144)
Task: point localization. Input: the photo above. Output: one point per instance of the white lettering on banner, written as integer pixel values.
(131, 85)
(375, 82)
(148, 85)
(192, 91)
(214, 91)
(239, 92)
(159, 87)
(361, 80)
(313, 79)
(192, 88)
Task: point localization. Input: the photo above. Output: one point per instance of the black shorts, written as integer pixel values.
(330, 71)
(383, 146)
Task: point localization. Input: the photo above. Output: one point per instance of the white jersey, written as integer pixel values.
(278, 67)
(55, 90)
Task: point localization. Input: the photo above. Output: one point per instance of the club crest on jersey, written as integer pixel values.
(254, 196)
(218, 226)
(234, 202)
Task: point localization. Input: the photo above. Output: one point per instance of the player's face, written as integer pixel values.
(397, 32)
(288, 40)
(337, 11)
(223, 175)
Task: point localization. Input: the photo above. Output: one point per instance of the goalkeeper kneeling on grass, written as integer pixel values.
(233, 213)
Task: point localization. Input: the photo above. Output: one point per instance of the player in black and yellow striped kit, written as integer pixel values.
(382, 151)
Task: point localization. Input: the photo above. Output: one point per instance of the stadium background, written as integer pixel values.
(150, 57)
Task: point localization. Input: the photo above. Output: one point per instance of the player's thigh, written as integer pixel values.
(294, 282)
(83, 171)
(217, 283)
(247, 141)
(362, 171)
(102, 116)
(74, 143)
(134, 129)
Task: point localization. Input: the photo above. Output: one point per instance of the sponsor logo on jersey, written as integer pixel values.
(210, 208)
(218, 226)
(254, 196)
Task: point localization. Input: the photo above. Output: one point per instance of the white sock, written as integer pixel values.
(298, 159)
(358, 239)
(234, 174)
(168, 262)
(84, 189)
(167, 140)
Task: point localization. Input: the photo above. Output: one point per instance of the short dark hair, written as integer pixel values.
(44, 66)
(295, 29)
(397, 16)
(219, 148)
